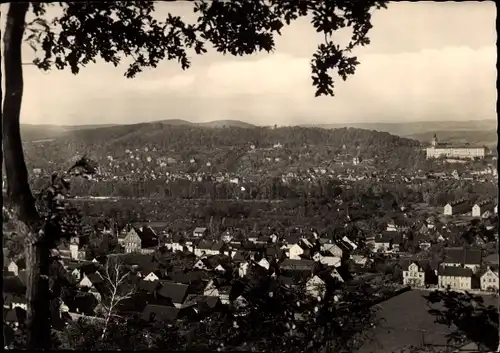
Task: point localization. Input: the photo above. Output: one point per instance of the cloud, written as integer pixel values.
(452, 83)
(397, 79)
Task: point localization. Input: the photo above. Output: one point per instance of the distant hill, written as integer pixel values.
(420, 127)
(31, 132)
(487, 138)
(227, 123)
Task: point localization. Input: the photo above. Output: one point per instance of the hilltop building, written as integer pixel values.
(454, 151)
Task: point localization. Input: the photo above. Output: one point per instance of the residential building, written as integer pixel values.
(413, 274)
(455, 277)
(463, 257)
(458, 207)
(387, 242)
(327, 259)
(200, 232)
(480, 208)
(489, 280)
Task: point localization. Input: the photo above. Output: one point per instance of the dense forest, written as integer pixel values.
(150, 142)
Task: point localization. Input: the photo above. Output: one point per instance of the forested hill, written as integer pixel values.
(184, 143)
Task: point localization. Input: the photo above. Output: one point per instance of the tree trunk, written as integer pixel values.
(20, 199)
(498, 296)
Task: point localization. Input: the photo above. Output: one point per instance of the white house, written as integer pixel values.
(489, 280)
(413, 275)
(151, 277)
(455, 277)
(456, 207)
(332, 248)
(316, 287)
(264, 263)
(295, 251)
(74, 247)
(243, 269)
(480, 208)
(327, 259)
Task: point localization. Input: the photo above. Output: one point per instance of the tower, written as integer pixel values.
(434, 141)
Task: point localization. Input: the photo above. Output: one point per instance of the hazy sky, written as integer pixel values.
(427, 61)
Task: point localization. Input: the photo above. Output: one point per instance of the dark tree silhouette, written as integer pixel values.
(471, 318)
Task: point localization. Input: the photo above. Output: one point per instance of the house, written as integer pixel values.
(318, 284)
(132, 242)
(480, 208)
(463, 257)
(200, 304)
(264, 263)
(455, 277)
(297, 265)
(74, 247)
(219, 248)
(91, 280)
(160, 313)
(204, 248)
(175, 291)
(359, 259)
(13, 300)
(295, 251)
(16, 266)
(387, 241)
(352, 245)
(316, 287)
(243, 269)
(152, 276)
(461, 206)
(333, 249)
(14, 317)
(489, 280)
(327, 259)
(200, 232)
(413, 274)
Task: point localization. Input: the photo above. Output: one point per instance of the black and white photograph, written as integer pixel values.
(250, 175)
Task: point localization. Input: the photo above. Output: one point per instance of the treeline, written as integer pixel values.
(434, 192)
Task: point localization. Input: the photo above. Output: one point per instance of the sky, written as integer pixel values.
(427, 61)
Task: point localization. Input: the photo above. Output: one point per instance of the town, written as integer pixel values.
(173, 271)
(261, 176)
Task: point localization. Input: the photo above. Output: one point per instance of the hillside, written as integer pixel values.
(190, 148)
(31, 132)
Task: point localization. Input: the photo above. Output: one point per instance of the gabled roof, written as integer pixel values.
(199, 229)
(21, 263)
(13, 285)
(463, 256)
(205, 244)
(292, 239)
(15, 315)
(148, 286)
(218, 246)
(175, 291)
(286, 281)
(454, 271)
(160, 313)
(297, 264)
(9, 299)
(197, 300)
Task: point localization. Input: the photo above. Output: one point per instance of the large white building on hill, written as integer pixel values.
(450, 151)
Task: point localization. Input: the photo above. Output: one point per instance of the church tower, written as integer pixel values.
(434, 141)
